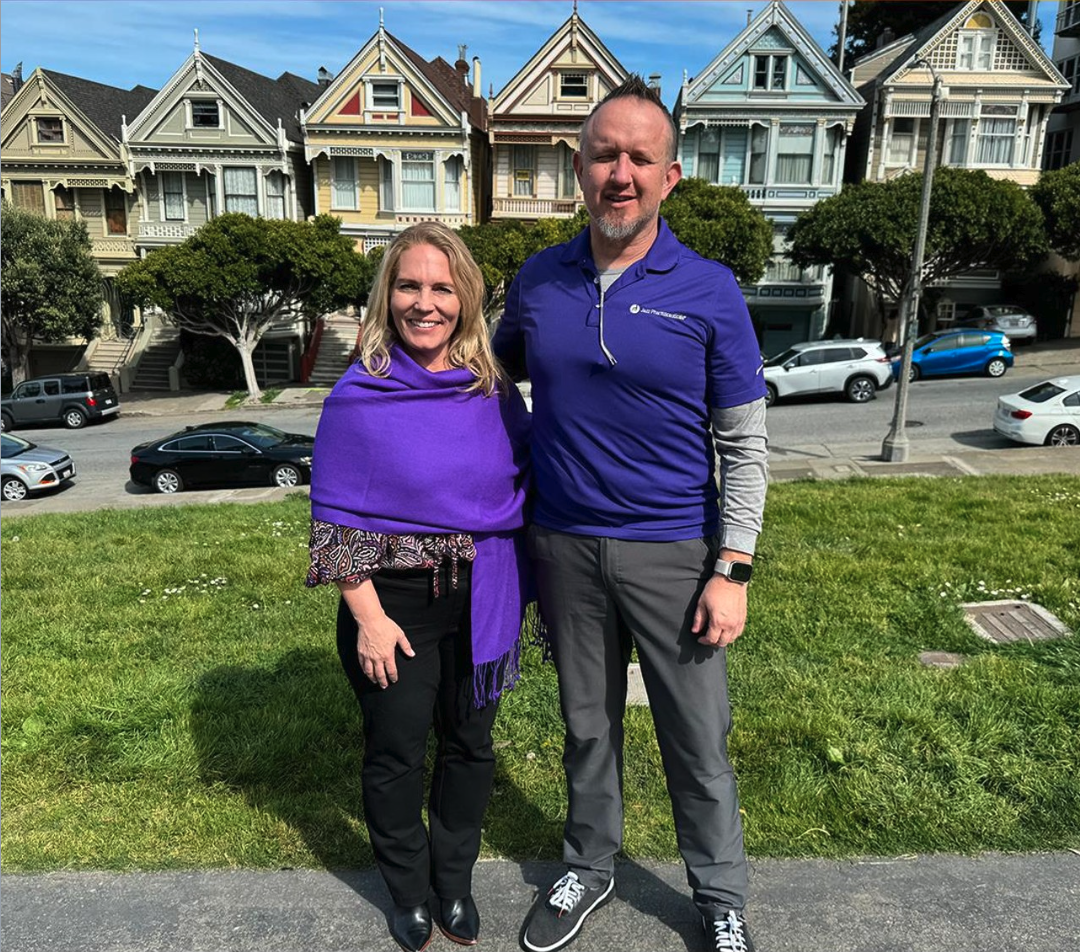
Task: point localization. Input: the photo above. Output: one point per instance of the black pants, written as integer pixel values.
(435, 686)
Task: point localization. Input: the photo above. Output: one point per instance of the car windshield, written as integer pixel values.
(1042, 392)
(260, 434)
(780, 359)
(13, 445)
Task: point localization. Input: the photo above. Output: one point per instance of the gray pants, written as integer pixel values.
(599, 597)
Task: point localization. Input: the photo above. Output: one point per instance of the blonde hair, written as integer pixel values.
(470, 347)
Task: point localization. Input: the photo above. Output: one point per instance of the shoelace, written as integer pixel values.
(729, 935)
(566, 894)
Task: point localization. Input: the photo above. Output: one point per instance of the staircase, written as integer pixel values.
(109, 356)
(336, 349)
(152, 372)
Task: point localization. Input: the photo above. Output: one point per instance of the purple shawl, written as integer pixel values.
(411, 453)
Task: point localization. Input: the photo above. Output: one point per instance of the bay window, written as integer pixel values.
(418, 181)
(241, 191)
(343, 183)
(795, 154)
(996, 136)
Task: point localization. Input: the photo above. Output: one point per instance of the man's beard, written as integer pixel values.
(624, 230)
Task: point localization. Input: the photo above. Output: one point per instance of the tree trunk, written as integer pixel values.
(17, 357)
(245, 349)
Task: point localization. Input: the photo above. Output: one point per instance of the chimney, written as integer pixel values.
(16, 78)
(654, 82)
(749, 17)
(477, 89)
(462, 64)
(325, 76)
(885, 37)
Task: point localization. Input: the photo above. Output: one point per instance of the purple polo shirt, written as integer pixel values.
(625, 450)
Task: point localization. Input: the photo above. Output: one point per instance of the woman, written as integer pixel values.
(417, 494)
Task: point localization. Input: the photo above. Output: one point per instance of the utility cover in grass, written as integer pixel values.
(1007, 621)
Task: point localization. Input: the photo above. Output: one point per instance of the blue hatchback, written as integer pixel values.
(961, 351)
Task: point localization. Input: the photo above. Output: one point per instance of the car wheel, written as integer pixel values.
(13, 489)
(914, 373)
(168, 481)
(996, 367)
(860, 389)
(74, 418)
(5, 422)
(770, 394)
(1063, 435)
(286, 476)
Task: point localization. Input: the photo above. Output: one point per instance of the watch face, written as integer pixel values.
(740, 571)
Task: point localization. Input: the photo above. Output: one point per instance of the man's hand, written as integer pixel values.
(720, 615)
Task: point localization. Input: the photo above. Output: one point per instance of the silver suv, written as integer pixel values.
(856, 368)
(73, 399)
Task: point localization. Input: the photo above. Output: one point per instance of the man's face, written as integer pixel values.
(624, 168)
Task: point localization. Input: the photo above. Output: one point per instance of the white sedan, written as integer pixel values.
(1046, 414)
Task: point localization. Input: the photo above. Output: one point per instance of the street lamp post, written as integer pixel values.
(895, 447)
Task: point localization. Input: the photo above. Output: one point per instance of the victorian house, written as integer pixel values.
(63, 158)
(771, 115)
(395, 139)
(1063, 131)
(1001, 88)
(535, 121)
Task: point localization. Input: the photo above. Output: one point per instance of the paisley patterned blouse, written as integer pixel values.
(341, 554)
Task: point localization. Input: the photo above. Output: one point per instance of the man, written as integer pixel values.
(638, 349)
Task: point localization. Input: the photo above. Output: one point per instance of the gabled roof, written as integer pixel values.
(273, 99)
(449, 82)
(777, 17)
(105, 106)
(7, 89)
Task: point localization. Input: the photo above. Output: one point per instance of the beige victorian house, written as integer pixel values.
(1001, 88)
(63, 158)
(395, 139)
(535, 120)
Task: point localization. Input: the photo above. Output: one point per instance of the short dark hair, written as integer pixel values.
(635, 87)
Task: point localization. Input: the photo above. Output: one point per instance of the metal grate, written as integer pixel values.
(1005, 622)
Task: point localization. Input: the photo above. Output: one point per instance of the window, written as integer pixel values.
(211, 195)
(190, 444)
(386, 185)
(241, 191)
(50, 129)
(795, 154)
(28, 195)
(524, 160)
(567, 176)
(901, 141)
(759, 154)
(1070, 69)
(229, 444)
(975, 43)
(418, 181)
(452, 169)
(958, 141)
(833, 138)
(115, 211)
(708, 162)
(64, 202)
(1059, 148)
(52, 388)
(997, 135)
(205, 115)
(770, 71)
(385, 95)
(172, 188)
(275, 195)
(779, 269)
(343, 187)
(28, 390)
(573, 86)
(837, 355)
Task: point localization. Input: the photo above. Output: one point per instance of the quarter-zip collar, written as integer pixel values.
(661, 257)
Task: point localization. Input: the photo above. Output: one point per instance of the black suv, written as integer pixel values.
(73, 399)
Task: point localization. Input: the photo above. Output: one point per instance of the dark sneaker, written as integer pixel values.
(727, 932)
(556, 918)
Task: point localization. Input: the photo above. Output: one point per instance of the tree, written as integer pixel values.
(237, 275)
(51, 288)
(869, 229)
(718, 222)
(869, 19)
(1058, 195)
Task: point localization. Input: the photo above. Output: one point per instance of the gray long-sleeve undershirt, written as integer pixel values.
(742, 447)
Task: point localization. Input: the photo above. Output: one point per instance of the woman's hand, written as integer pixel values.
(378, 635)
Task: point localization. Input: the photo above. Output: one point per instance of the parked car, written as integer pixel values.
(1047, 414)
(73, 399)
(959, 352)
(223, 454)
(1020, 325)
(29, 467)
(856, 368)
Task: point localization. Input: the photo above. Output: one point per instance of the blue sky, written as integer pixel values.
(127, 42)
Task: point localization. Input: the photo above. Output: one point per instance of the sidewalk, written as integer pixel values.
(991, 903)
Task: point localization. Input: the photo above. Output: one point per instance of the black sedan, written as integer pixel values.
(223, 454)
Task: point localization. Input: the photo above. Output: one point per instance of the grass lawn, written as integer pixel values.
(172, 696)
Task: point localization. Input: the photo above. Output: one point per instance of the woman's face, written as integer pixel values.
(424, 305)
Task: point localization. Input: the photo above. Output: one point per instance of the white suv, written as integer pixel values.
(856, 368)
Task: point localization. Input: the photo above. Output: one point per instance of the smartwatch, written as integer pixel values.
(734, 571)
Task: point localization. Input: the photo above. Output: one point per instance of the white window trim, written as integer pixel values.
(161, 196)
(560, 95)
(976, 36)
(369, 96)
(259, 206)
(459, 163)
(333, 184)
(264, 181)
(912, 149)
(189, 113)
(432, 162)
(771, 56)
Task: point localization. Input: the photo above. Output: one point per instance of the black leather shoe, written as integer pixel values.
(410, 927)
(459, 920)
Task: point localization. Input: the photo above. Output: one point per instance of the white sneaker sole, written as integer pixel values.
(572, 934)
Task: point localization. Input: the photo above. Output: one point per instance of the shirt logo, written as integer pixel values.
(638, 309)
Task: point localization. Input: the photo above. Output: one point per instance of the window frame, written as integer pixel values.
(373, 93)
(771, 67)
(564, 83)
(110, 213)
(411, 159)
(240, 196)
(61, 129)
(192, 124)
(65, 212)
(164, 200)
(336, 162)
(894, 136)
